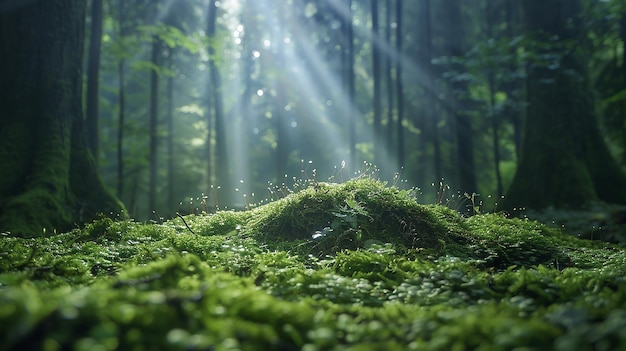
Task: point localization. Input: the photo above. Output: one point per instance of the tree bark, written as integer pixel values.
(122, 102)
(93, 75)
(221, 153)
(48, 179)
(427, 121)
(400, 86)
(389, 87)
(456, 41)
(376, 76)
(171, 177)
(153, 124)
(564, 160)
(351, 86)
(623, 104)
(490, 22)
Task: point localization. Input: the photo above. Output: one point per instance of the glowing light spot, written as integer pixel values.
(238, 41)
(294, 124)
(287, 40)
(197, 142)
(260, 92)
(310, 10)
(267, 43)
(256, 54)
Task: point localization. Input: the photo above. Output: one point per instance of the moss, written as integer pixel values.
(34, 213)
(235, 280)
(332, 217)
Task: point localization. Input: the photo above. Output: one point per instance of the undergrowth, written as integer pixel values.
(352, 266)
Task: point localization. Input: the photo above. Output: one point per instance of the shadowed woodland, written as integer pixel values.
(205, 105)
(312, 175)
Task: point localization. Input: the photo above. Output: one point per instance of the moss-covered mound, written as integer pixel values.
(351, 266)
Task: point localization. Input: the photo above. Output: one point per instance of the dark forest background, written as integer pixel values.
(196, 104)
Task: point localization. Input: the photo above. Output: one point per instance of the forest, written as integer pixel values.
(312, 174)
(194, 106)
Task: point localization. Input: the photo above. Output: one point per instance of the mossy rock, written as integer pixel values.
(334, 217)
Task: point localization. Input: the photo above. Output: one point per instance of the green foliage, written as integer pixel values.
(261, 279)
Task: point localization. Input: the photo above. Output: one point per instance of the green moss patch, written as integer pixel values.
(354, 266)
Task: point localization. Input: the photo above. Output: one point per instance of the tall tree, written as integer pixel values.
(376, 76)
(400, 85)
(513, 85)
(48, 179)
(490, 22)
(221, 155)
(350, 82)
(564, 160)
(428, 121)
(154, 122)
(121, 76)
(278, 25)
(169, 118)
(93, 75)
(456, 40)
(388, 60)
(622, 28)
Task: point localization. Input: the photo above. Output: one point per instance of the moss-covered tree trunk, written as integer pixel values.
(564, 160)
(48, 178)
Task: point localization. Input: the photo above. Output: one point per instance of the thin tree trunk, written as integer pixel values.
(171, 177)
(122, 105)
(428, 120)
(623, 36)
(221, 154)
(153, 124)
(376, 69)
(93, 73)
(351, 89)
(389, 78)
(399, 85)
(462, 120)
(514, 113)
(279, 115)
(490, 14)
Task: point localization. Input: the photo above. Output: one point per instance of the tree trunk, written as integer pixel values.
(399, 86)
(171, 181)
(351, 87)
(427, 121)
(154, 122)
(388, 80)
(491, 79)
(466, 171)
(48, 179)
(623, 37)
(122, 103)
(564, 160)
(511, 110)
(221, 152)
(376, 97)
(93, 74)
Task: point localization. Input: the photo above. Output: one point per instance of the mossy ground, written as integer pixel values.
(352, 266)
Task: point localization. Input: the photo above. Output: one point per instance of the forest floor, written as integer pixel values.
(351, 266)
